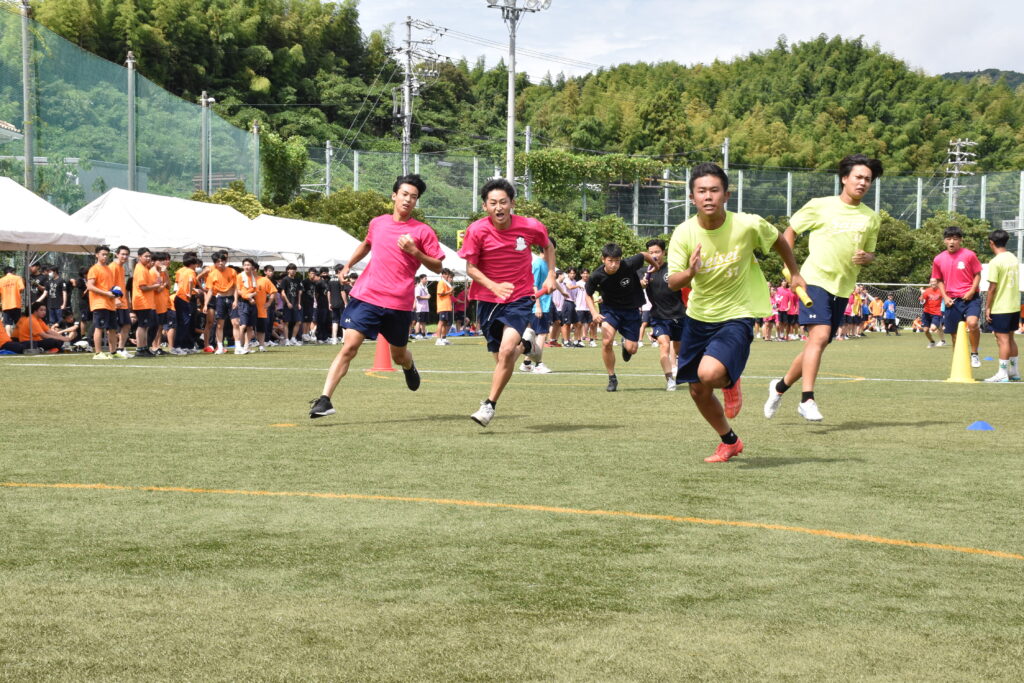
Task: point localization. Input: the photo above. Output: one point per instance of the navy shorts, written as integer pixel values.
(146, 318)
(222, 307)
(583, 316)
(961, 310)
(556, 315)
(671, 327)
(1004, 322)
(931, 319)
(460, 316)
(541, 325)
(625, 320)
(371, 320)
(445, 317)
(166, 320)
(246, 313)
(421, 317)
(11, 316)
(123, 317)
(494, 318)
(336, 316)
(645, 316)
(827, 310)
(292, 315)
(102, 319)
(728, 342)
(569, 313)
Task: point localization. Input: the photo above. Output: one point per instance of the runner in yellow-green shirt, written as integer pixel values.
(843, 233)
(713, 253)
(1002, 305)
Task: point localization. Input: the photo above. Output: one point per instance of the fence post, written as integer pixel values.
(416, 163)
(583, 189)
(878, 195)
(687, 201)
(355, 170)
(789, 193)
(328, 157)
(920, 191)
(130, 61)
(666, 199)
(256, 157)
(476, 181)
(984, 189)
(739, 195)
(835, 184)
(636, 206)
(27, 124)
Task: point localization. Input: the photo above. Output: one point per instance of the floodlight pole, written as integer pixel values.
(511, 11)
(130, 63)
(204, 143)
(26, 96)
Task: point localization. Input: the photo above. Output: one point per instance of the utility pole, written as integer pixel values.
(27, 124)
(130, 63)
(957, 161)
(411, 84)
(256, 157)
(511, 12)
(204, 143)
(328, 157)
(725, 154)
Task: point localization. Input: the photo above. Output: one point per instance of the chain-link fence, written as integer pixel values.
(80, 125)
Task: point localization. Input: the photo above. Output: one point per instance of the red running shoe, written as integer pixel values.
(733, 400)
(726, 451)
(208, 349)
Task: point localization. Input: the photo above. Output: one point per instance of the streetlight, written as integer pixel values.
(511, 11)
(205, 151)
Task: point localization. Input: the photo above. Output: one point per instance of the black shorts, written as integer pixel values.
(445, 317)
(103, 319)
(166, 320)
(146, 317)
(421, 316)
(1004, 322)
(123, 317)
(12, 316)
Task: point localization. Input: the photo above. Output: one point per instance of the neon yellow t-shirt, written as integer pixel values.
(837, 231)
(1005, 272)
(729, 284)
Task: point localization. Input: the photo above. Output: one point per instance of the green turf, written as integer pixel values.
(130, 584)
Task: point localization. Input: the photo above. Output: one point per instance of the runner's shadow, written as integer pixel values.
(867, 425)
(398, 420)
(769, 462)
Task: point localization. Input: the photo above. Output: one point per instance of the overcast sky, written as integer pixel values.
(935, 37)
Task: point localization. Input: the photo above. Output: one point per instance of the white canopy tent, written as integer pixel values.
(30, 223)
(171, 224)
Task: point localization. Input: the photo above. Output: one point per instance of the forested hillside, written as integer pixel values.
(304, 67)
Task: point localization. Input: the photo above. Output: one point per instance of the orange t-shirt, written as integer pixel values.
(142, 276)
(264, 289)
(103, 278)
(246, 285)
(444, 296)
(221, 282)
(185, 279)
(118, 270)
(162, 296)
(30, 323)
(4, 337)
(875, 307)
(11, 287)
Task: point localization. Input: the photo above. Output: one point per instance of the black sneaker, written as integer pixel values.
(613, 383)
(143, 353)
(158, 352)
(412, 378)
(320, 407)
(626, 355)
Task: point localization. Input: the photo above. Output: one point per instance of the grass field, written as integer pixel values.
(579, 537)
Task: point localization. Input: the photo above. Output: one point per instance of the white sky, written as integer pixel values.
(934, 36)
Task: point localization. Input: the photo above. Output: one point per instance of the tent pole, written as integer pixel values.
(31, 350)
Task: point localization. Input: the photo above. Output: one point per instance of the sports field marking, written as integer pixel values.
(284, 424)
(827, 533)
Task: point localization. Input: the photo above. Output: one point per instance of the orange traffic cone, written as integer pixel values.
(382, 356)
(961, 368)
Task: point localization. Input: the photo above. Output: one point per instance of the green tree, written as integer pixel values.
(284, 163)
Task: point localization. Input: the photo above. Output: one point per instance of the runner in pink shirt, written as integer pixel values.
(500, 263)
(382, 299)
(958, 272)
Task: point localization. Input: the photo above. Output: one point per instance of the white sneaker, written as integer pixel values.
(179, 352)
(593, 343)
(447, 342)
(241, 350)
(771, 406)
(530, 335)
(271, 343)
(439, 342)
(975, 361)
(809, 410)
(484, 415)
(124, 354)
(261, 349)
(541, 369)
(525, 368)
(931, 345)
(219, 351)
(940, 343)
(999, 377)
(640, 345)
(670, 384)
(296, 342)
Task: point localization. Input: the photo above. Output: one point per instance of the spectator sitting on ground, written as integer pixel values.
(33, 326)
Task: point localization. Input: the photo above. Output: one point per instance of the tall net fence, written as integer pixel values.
(80, 115)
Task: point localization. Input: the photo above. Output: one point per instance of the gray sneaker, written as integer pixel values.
(484, 415)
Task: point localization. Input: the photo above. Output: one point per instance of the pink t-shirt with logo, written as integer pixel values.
(794, 302)
(956, 270)
(387, 280)
(503, 255)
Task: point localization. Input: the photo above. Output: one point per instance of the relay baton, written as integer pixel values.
(800, 291)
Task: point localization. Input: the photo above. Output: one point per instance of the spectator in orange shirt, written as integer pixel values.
(265, 293)
(162, 304)
(246, 301)
(11, 288)
(144, 284)
(123, 317)
(103, 296)
(8, 344)
(34, 327)
(185, 286)
(444, 307)
(220, 287)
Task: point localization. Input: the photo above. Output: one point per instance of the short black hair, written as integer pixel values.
(142, 250)
(120, 247)
(249, 260)
(999, 237)
(656, 242)
(35, 306)
(8, 270)
(325, 270)
(498, 184)
(611, 250)
(219, 256)
(412, 179)
(189, 261)
(291, 266)
(161, 256)
(99, 248)
(338, 268)
(269, 265)
(851, 160)
(952, 231)
(708, 168)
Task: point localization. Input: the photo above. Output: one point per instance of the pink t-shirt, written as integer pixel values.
(782, 300)
(387, 280)
(956, 270)
(794, 302)
(503, 255)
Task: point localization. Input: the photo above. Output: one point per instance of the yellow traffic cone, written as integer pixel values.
(961, 368)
